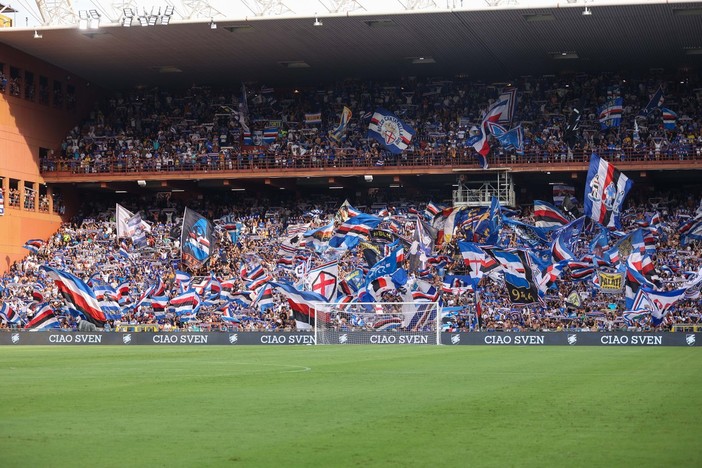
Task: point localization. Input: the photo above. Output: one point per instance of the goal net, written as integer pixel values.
(377, 323)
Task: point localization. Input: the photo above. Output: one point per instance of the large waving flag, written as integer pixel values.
(345, 212)
(186, 303)
(357, 227)
(530, 235)
(639, 270)
(390, 131)
(473, 257)
(387, 265)
(564, 240)
(480, 142)
(509, 139)
(548, 216)
(658, 302)
(632, 242)
(691, 230)
(669, 118)
(320, 236)
(509, 96)
(302, 304)
(9, 314)
(519, 277)
(324, 280)
(44, 319)
(339, 132)
(33, 245)
(264, 298)
(122, 217)
(77, 293)
(457, 284)
(611, 113)
(136, 231)
(655, 102)
(605, 190)
(196, 239)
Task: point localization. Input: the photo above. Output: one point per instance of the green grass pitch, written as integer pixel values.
(350, 406)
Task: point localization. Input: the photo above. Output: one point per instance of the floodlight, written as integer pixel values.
(166, 17)
(587, 12)
(37, 35)
(94, 21)
(213, 25)
(316, 21)
(83, 18)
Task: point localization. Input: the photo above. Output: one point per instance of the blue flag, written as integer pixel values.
(391, 132)
(196, 239)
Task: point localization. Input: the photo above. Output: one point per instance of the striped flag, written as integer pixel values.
(270, 134)
(358, 226)
(519, 276)
(33, 245)
(548, 216)
(339, 132)
(186, 303)
(669, 118)
(264, 300)
(509, 96)
(9, 314)
(302, 304)
(183, 280)
(44, 319)
(313, 118)
(458, 284)
(473, 257)
(639, 269)
(605, 190)
(611, 113)
(159, 303)
(38, 292)
(77, 293)
(391, 132)
(121, 291)
(380, 285)
(658, 302)
(110, 308)
(499, 110)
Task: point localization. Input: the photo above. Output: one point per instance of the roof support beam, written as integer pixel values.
(267, 7)
(57, 13)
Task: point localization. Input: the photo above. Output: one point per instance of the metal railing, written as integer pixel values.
(350, 159)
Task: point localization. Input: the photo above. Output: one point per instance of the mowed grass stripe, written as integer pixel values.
(350, 406)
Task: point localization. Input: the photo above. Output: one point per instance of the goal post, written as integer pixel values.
(377, 323)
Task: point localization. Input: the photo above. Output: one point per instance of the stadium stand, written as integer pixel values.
(177, 251)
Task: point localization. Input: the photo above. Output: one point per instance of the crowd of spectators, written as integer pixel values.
(201, 128)
(88, 248)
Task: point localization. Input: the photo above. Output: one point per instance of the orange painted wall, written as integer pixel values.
(25, 127)
(16, 227)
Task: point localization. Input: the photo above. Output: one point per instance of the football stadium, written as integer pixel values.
(350, 233)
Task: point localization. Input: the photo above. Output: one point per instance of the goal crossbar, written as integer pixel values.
(377, 323)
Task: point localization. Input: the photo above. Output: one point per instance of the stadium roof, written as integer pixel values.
(488, 44)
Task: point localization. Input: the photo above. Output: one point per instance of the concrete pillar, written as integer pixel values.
(35, 186)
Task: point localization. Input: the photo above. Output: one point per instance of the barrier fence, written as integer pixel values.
(343, 338)
(352, 158)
